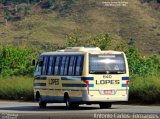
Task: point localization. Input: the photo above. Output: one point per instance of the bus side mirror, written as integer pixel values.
(33, 62)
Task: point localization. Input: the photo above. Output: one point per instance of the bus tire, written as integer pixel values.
(42, 104)
(105, 105)
(69, 104)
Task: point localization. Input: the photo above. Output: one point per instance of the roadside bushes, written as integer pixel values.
(145, 89)
(16, 61)
(142, 65)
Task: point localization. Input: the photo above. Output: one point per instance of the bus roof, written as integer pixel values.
(81, 50)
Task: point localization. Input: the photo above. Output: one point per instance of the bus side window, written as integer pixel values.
(62, 65)
(57, 65)
(71, 64)
(38, 68)
(50, 67)
(79, 66)
(74, 65)
(45, 65)
(66, 65)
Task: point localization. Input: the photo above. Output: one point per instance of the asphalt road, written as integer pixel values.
(30, 110)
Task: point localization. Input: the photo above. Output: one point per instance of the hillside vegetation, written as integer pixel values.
(46, 24)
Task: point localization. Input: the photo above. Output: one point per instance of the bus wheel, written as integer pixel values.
(105, 105)
(42, 104)
(69, 104)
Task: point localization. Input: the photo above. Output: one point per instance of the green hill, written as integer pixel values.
(47, 27)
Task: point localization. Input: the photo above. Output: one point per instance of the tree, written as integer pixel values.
(7, 16)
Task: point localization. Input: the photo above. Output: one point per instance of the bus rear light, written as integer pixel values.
(127, 82)
(87, 84)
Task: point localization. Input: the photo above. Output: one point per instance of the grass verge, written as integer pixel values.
(16, 88)
(145, 89)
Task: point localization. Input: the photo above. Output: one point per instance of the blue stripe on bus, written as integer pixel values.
(87, 78)
(90, 85)
(71, 78)
(76, 78)
(125, 78)
(77, 85)
(41, 78)
(41, 89)
(124, 85)
(39, 84)
(72, 85)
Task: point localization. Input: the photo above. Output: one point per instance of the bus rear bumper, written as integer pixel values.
(96, 97)
(105, 99)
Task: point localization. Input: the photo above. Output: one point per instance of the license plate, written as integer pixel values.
(108, 91)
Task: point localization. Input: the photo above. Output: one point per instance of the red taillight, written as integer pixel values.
(127, 82)
(87, 84)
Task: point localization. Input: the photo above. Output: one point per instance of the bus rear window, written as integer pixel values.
(107, 64)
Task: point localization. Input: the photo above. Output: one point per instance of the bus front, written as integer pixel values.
(109, 78)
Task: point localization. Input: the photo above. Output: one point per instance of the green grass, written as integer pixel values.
(145, 89)
(16, 88)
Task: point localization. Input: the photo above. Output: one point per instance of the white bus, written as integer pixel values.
(81, 75)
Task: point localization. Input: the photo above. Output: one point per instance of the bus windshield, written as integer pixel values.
(106, 64)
